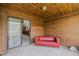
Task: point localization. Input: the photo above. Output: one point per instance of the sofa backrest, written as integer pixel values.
(46, 38)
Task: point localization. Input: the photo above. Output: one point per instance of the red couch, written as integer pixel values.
(47, 41)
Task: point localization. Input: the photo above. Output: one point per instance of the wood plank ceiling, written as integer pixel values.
(53, 11)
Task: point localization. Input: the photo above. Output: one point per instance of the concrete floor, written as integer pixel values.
(25, 40)
(32, 50)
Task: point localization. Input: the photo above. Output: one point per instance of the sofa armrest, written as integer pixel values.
(36, 39)
(58, 39)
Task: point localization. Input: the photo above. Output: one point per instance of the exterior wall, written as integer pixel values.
(3, 33)
(67, 29)
(0, 33)
(37, 27)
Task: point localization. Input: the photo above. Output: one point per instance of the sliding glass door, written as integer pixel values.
(14, 32)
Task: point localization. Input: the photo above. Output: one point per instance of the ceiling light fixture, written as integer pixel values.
(44, 8)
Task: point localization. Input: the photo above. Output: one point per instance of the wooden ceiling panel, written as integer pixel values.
(53, 10)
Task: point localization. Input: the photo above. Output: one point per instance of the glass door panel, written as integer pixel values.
(14, 32)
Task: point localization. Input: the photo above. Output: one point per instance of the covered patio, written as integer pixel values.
(20, 23)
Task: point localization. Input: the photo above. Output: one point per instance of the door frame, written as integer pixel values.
(30, 41)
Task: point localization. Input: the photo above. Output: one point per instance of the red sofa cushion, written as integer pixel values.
(46, 40)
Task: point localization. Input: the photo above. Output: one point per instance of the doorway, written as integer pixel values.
(26, 26)
(18, 32)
